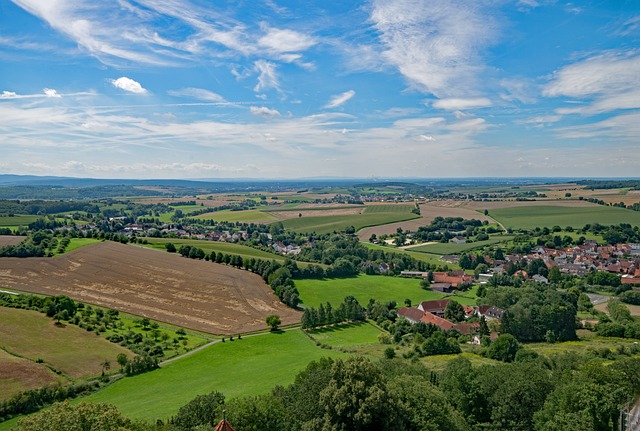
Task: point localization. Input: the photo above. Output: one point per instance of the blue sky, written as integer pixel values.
(291, 89)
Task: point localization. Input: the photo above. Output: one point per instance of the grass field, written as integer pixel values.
(217, 246)
(74, 351)
(530, 217)
(363, 287)
(352, 334)
(247, 216)
(17, 220)
(450, 248)
(329, 224)
(19, 374)
(425, 257)
(250, 366)
(76, 243)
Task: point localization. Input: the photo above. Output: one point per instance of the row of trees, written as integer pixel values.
(325, 314)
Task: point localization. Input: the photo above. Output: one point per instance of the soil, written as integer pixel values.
(194, 294)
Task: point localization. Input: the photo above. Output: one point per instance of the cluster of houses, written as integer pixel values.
(622, 259)
(445, 282)
(432, 312)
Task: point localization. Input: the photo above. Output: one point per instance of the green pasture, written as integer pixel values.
(363, 287)
(530, 217)
(425, 257)
(338, 223)
(250, 366)
(352, 334)
(68, 348)
(450, 248)
(17, 220)
(76, 243)
(246, 216)
(296, 207)
(389, 208)
(217, 246)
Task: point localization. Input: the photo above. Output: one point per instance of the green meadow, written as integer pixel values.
(451, 248)
(17, 220)
(388, 208)
(339, 223)
(246, 216)
(363, 287)
(250, 366)
(530, 217)
(217, 246)
(349, 335)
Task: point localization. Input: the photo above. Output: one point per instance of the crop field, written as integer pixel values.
(193, 294)
(17, 220)
(363, 287)
(247, 216)
(331, 223)
(208, 246)
(388, 208)
(250, 366)
(450, 248)
(539, 216)
(10, 240)
(425, 257)
(428, 212)
(19, 374)
(68, 348)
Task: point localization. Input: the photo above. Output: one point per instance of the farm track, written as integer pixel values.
(194, 294)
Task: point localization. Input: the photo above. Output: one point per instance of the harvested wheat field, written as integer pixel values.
(194, 294)
(10, 240)
(19, 374)
(428, 212)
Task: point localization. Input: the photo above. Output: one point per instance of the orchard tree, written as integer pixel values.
(273, 321)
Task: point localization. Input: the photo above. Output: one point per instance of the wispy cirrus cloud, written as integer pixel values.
(607, 81)
(267, 76)
(197, 93)
(460, 104)
(436, 45)
(340, 99)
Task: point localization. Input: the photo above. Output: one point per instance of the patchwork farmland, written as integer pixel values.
(198, 295)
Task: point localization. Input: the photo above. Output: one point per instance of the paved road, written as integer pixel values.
(597, 299)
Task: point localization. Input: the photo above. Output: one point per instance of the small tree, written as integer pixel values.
(122, 360)
(170, 247)
(273, 321)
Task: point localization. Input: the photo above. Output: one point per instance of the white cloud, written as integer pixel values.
(435, 44)
(610, 81)
(50, 92)
(542, 119)
(278, 40)
(128, 84)
(427, 138)
(610, 72)
(340, 99)
(197, 93)
(267, 76)
(263, 111)
(457, 104)
(8, 95)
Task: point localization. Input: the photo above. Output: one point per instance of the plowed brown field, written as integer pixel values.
(194, 294)
(10, 240)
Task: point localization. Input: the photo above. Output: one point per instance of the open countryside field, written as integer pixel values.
(10, 240)
(348, 335)
(250, 366)
(428, 212)
(328, 224)
(530, 217)
(70, 349)
(450, 248)
(194, 294)
(425, 257)
(208, 246)
(363, 287)
(17, 220)
(247, 216)
(19, 374)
